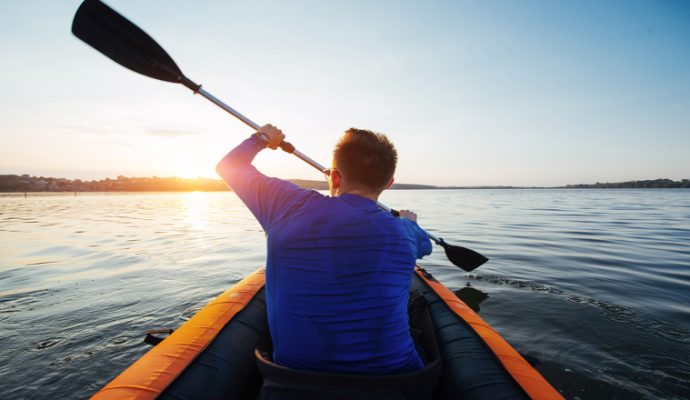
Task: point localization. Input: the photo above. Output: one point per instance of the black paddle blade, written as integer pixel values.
(115, 36)
(463, 257)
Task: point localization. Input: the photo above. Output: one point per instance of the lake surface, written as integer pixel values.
(593, 283)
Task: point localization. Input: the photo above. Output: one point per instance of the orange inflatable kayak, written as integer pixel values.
(217, 354)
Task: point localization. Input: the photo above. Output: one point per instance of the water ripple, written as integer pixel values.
(613, 312)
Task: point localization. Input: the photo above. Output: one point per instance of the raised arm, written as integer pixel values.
(267, 198)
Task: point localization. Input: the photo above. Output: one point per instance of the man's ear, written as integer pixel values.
(335, 178)
(389, 183)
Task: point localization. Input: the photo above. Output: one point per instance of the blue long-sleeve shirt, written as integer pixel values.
(338, 273)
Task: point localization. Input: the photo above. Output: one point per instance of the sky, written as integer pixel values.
(527, 93)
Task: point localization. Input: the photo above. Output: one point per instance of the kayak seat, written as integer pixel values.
(280, 382)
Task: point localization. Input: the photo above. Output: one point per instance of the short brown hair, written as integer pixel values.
(365, 158)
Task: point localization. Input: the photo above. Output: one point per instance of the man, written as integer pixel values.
(338, 268)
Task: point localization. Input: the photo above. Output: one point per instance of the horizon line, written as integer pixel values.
(397, 184)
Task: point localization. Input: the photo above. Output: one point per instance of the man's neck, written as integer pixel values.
(364, 193)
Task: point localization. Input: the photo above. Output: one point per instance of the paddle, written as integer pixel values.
(110, 33)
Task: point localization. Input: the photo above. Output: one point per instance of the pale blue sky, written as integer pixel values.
(472, 93)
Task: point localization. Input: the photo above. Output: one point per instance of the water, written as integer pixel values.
(593, 283)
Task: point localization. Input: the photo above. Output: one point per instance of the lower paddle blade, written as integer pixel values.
(107, 31)
(462, 257)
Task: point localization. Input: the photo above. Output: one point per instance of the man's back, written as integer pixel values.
(337, 280)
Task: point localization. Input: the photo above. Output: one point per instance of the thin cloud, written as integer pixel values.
(103, 130)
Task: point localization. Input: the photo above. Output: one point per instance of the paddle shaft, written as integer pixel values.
(256, 127)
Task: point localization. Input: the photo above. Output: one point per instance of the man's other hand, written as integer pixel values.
(408, 214)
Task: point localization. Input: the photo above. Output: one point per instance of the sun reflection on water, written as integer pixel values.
(197, 204)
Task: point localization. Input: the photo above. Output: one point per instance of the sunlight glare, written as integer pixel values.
(196, 203)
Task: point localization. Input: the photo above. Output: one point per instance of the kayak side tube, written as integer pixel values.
(149, 376)
(528, 378)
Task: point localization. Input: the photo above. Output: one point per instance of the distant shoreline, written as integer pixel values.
(32, 184)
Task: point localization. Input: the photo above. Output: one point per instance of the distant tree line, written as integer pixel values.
(26, 183)
(647, 184)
